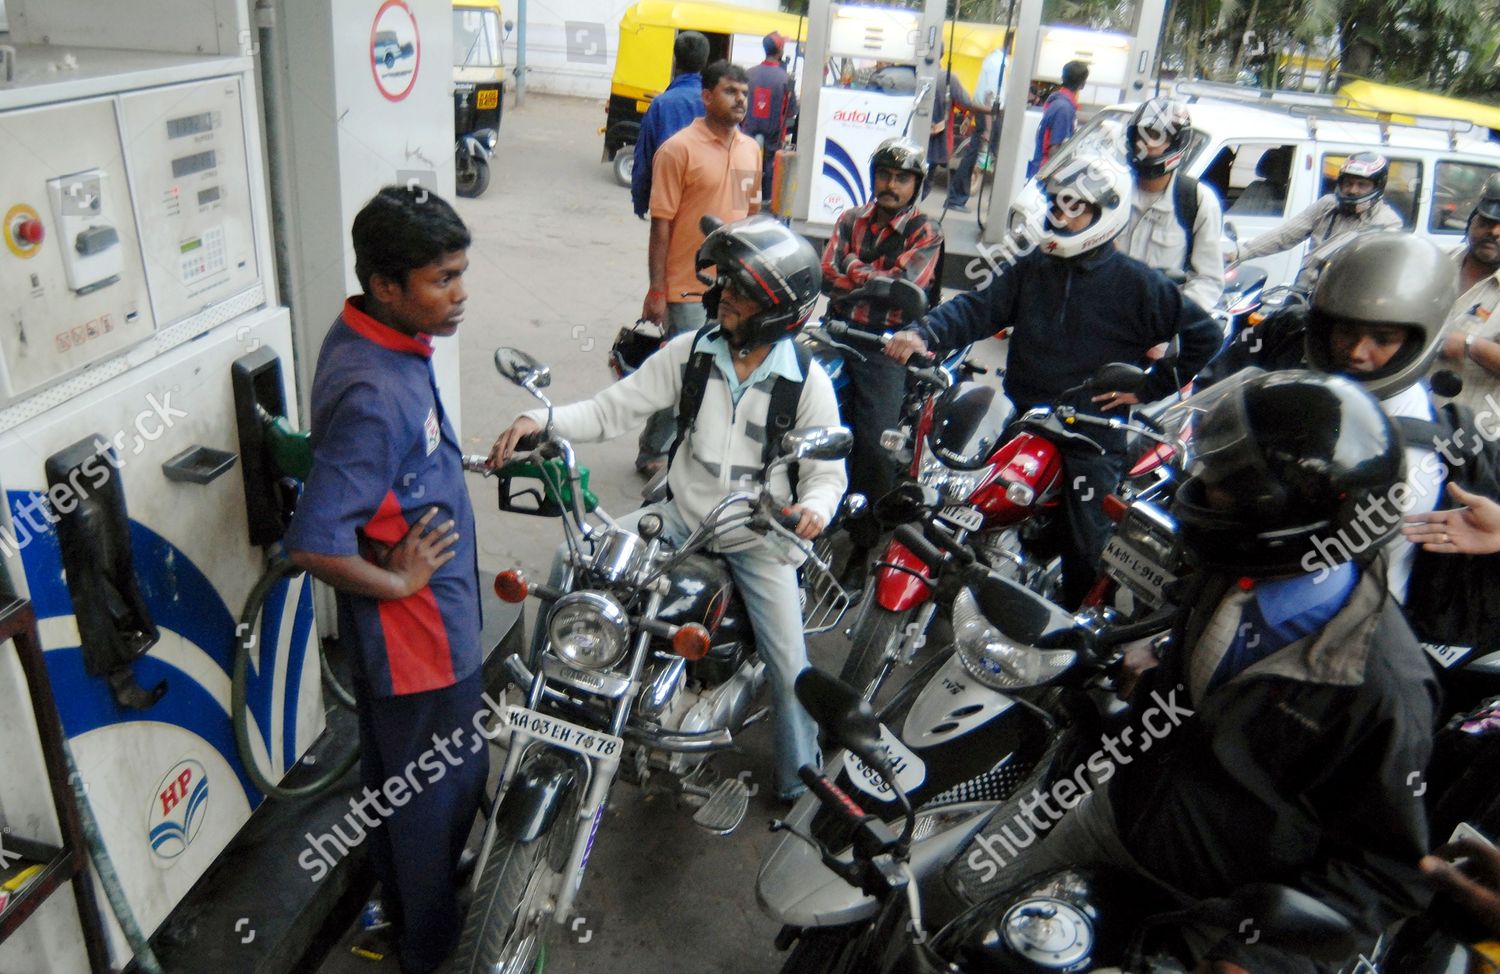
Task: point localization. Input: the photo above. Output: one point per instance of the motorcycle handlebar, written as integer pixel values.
(916, 542)
(841, 331)
(832, 796)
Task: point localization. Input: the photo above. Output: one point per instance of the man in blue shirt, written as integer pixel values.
(384, 518)
(1058, 115)
(772, 103)
(669, 112)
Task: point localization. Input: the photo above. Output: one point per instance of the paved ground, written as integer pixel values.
(558, 266)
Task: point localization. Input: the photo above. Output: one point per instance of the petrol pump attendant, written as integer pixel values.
(384, 518)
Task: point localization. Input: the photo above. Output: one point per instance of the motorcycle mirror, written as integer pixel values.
(1285, 918)
(708, 223)
(905, 504)
(1231, 232)
(521, 368)
(510, 25)
(848, 718)
(1446, 382)
(818, 443)
(1118, 377)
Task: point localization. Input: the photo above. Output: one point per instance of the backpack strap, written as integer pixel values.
(1185, 205)
(1421, 433)
(694, 385)
(781, 413)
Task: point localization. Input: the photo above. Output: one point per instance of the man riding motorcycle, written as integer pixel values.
(765, 285)
(1377, 316)
(888, 237)
(1282, 736)
(1354, 207)
(1156, 142)
(1075, 303)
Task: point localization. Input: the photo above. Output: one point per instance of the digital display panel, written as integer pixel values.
(190, 125)
(197, 162)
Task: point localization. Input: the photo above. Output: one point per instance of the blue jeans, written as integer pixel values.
(769, 587)
(661, 429)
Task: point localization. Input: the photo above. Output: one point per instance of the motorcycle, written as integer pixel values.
(648, 668)
(1074, 919)
(1024, 691)
(828, 340)
(996, 495)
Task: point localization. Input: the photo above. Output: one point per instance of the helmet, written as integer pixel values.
(768, 262)
(902, 153)
(1164, 119)
(1488, 204)
(1284, 461)
(1366, 165)
(1094, 180)
(1385, 279)
(633, 345)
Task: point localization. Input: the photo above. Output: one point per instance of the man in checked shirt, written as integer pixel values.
(888, 237)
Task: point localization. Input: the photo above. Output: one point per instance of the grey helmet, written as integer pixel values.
(1488, 204)
(1385, 279)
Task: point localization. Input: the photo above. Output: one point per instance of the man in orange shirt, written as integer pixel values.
(710, 168)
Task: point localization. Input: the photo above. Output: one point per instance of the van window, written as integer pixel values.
(1455, 190)
(1252, 177)
(1403, 187)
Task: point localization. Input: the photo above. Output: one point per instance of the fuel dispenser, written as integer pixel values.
(135, 273)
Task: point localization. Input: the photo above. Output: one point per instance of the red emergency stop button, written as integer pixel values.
(22, 231)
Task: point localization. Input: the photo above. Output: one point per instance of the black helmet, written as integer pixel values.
(903, 154)
(770, 264)
(1488, 204)
(1284, 462)
(633, 345)
(1366, 165)
(1385, 279)
(1164, 120)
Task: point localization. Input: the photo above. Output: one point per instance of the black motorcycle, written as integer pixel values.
(1072, 920)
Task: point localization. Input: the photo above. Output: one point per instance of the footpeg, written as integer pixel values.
(726, 807)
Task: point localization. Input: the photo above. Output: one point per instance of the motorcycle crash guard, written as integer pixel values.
(536, 797)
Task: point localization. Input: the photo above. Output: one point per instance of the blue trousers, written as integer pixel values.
(415, 848)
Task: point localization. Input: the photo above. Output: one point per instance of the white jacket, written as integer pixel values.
(722, 452)
(1156, 239)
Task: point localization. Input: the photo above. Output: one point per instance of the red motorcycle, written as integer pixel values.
(990, 483)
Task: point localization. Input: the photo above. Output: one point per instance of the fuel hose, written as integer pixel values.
(246, 639)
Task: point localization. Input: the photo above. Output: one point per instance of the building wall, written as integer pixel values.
(570, 44)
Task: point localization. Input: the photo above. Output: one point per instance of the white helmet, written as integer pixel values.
(1097, 181)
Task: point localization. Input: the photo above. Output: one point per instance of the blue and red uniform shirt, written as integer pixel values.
(383, 453)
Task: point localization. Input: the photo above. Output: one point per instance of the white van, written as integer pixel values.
(1269, 155)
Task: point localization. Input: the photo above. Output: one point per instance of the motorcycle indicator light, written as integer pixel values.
(1019, 494)
(511, 586)
(691, 642)
(892, 440)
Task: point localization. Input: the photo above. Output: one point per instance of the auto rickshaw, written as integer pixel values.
(478, 91)
(643, 60)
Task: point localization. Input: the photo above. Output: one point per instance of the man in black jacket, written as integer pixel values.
(1074, 304)
(1284, 735)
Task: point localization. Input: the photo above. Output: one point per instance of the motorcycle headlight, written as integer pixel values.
(996, 661)
(956, 486)
(588, 630)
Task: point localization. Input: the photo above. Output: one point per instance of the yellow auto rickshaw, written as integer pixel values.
(643, 60)
(478, 90)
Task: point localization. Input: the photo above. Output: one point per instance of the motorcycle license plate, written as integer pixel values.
(488, 98)
(564, 734)
(1137, 572)
(962, 517)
